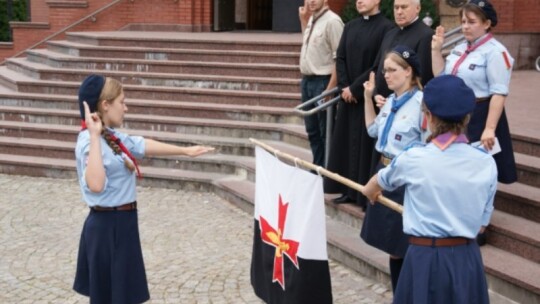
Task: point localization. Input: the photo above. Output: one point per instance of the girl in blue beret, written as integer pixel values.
(110, 267)
(449, 191)
(486, 66)
(397, 126)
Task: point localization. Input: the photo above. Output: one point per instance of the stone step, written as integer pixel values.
(506, 231)
(520, 200)
(188, 54)
(58, 60)
(294, 134)
(44, 72)
(160, 107)
(24, 84)
(515, 234)
(528, 168)
(153, 177)
(223, 145)
(55, 149)
(511, 276)
(344, 245)
(526, 145)
(216, 162)
(209, 41)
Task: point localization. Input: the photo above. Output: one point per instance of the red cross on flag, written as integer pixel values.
(289, 262)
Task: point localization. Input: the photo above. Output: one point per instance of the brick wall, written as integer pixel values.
(517, 16)
(50, 16)
(39, 11)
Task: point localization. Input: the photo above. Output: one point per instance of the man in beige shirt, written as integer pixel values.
(321, 30)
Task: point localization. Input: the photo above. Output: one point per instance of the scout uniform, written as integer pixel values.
(449, 191)
(401, 120)
(110, 267)
(486, 66)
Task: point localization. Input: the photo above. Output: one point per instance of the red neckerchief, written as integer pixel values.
(443, 141)
(122, 147)
(469, 50)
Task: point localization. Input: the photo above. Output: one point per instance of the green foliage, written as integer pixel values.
(19, 14)
(387, 8)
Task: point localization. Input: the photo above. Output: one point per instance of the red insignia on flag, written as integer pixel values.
(506, 60)
(274, 238)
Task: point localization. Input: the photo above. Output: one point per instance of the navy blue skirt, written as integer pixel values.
(442, 275)
(382, 227)
(110, 267)
(506, 164)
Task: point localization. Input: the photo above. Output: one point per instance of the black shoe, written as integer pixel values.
(344, 199)
(481, 239)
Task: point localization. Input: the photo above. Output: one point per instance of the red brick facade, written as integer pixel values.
(517, 18)
(51, 16)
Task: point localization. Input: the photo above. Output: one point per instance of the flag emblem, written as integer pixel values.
(283, 246)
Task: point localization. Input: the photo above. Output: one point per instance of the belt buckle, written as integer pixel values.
(385, 160)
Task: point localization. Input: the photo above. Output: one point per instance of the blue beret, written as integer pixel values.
(89, 91)
(449, 98)
(409, 56)
(488, 10)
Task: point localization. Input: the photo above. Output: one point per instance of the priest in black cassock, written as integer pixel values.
(351, 147)
(413, 33)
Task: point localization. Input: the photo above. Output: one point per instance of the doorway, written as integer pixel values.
(259, 15)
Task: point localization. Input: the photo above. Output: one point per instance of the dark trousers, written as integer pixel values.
(316, 123)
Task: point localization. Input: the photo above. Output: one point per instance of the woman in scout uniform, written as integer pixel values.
(110, 267)
(396, 127)
(486, 66)
(449, 191)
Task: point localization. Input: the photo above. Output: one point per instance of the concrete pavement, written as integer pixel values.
(197, 247)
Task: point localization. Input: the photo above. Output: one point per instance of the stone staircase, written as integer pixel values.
(219, 90)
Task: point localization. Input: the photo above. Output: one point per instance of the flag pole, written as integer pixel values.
(322, 171)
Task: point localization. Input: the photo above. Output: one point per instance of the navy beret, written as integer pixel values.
(488, 10)
(409, 56)
(90, 91)
(449, 98)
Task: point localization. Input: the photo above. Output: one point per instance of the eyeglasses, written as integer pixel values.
(389, 70)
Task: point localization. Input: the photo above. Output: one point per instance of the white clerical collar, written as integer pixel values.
(409, 23)
(367, 17)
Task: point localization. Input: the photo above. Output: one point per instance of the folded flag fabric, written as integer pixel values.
(289, 262)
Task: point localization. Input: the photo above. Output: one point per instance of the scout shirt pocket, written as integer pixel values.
(403, 132)
(473, 71)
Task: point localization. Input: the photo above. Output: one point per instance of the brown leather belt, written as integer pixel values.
(438, 242)
(126, 207)
(385, 160)
(478, 100)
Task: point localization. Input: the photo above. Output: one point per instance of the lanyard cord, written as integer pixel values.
(469, 50)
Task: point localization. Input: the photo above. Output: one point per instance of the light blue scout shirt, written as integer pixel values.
(447, 193)
(486, 70)
(119, 181)
(405, 129)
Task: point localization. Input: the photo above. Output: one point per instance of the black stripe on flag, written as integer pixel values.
(310, 284)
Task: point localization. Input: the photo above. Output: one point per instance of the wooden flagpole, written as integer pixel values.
(322, 171)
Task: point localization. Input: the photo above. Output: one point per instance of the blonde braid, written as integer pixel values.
(116, 148)
(111, 90)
